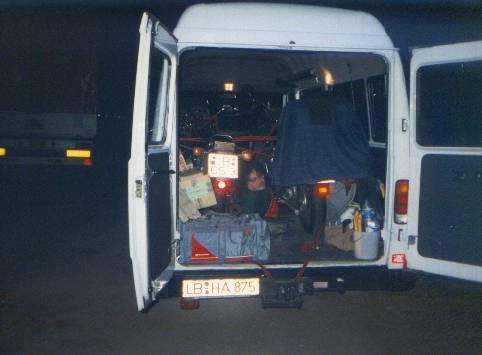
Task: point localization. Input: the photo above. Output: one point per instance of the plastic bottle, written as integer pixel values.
(369, 219)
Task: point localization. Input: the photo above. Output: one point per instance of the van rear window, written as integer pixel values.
(355, 93)
(449, 105)
(378, 99)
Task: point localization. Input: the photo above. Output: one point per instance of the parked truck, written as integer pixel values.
(47, 138)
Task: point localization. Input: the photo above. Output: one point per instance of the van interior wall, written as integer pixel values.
(207, 69)
(358, 77)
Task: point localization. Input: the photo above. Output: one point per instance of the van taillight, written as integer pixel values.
(401, 202)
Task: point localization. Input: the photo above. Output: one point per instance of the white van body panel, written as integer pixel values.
(137, 179)
(397, 164)
(460, 52)
(280, 25)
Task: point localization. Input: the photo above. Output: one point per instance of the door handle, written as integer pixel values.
(170, 171)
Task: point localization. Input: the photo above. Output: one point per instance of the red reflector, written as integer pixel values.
(320, 284)
(322, 190)
(399, 259)
(222, 186)
(87, 162)
(401, 201)
(189, 303)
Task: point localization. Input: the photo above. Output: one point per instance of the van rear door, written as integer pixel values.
(445, 195)
(151, 178)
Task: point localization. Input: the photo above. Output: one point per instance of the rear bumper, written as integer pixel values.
(42, 161)
(338, 279)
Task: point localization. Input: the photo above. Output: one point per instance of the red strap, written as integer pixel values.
(265, 270)
(315, 245)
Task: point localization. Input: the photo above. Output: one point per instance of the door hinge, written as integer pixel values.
(174, 247)
(404, 125)
(412, 239)
(139, 188)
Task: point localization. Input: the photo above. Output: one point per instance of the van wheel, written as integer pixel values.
(306, 208)
(312, 209)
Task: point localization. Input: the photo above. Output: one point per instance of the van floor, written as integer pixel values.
(287, 238)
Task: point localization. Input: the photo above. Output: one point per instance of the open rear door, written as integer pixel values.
(151, 178)
(445, 195)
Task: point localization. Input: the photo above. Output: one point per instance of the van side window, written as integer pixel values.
(354, 92)
(159, 71)
(377, 96)
(449, 104)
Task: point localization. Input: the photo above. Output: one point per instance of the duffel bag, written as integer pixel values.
(220, 238)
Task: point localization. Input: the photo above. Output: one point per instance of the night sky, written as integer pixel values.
(83, 58)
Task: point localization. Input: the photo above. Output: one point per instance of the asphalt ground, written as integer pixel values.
(67, 287)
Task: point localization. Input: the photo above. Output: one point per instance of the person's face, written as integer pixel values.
(256, 181)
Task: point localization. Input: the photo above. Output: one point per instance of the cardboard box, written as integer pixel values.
(334, 236)
(198, 189)
(187, 210)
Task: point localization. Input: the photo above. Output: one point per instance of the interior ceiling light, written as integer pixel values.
(328, 77)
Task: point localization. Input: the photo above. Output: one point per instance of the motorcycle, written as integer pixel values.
(223, 161)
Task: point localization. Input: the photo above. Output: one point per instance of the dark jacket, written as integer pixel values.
(319, 138)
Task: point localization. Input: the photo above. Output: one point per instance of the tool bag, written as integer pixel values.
(219, 238)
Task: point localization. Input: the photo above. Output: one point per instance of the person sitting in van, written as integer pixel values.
(256, 195)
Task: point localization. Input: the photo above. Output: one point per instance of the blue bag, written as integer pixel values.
(219, 238)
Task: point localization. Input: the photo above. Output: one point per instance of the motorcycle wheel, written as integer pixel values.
(312, 209)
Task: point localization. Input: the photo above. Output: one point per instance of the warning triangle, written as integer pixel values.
(199, 252)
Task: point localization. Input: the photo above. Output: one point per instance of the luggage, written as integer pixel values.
(220, 238)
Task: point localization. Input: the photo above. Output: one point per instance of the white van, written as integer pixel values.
(427, 152)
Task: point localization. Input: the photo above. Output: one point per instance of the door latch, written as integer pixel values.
(412, 239)
(139, 188)
(404, 125)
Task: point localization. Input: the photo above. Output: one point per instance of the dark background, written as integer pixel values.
(82, 57)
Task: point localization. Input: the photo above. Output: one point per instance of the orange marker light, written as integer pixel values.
(198, 151)
(78, 153)
(247, 155)
(322, 189)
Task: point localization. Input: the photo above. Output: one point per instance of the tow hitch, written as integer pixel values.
(284, 293)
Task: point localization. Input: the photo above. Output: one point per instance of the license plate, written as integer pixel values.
(223, 165)
(215, 288)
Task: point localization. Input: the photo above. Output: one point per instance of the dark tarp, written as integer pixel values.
(319, 138)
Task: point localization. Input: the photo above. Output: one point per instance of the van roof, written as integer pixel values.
(280, 25)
